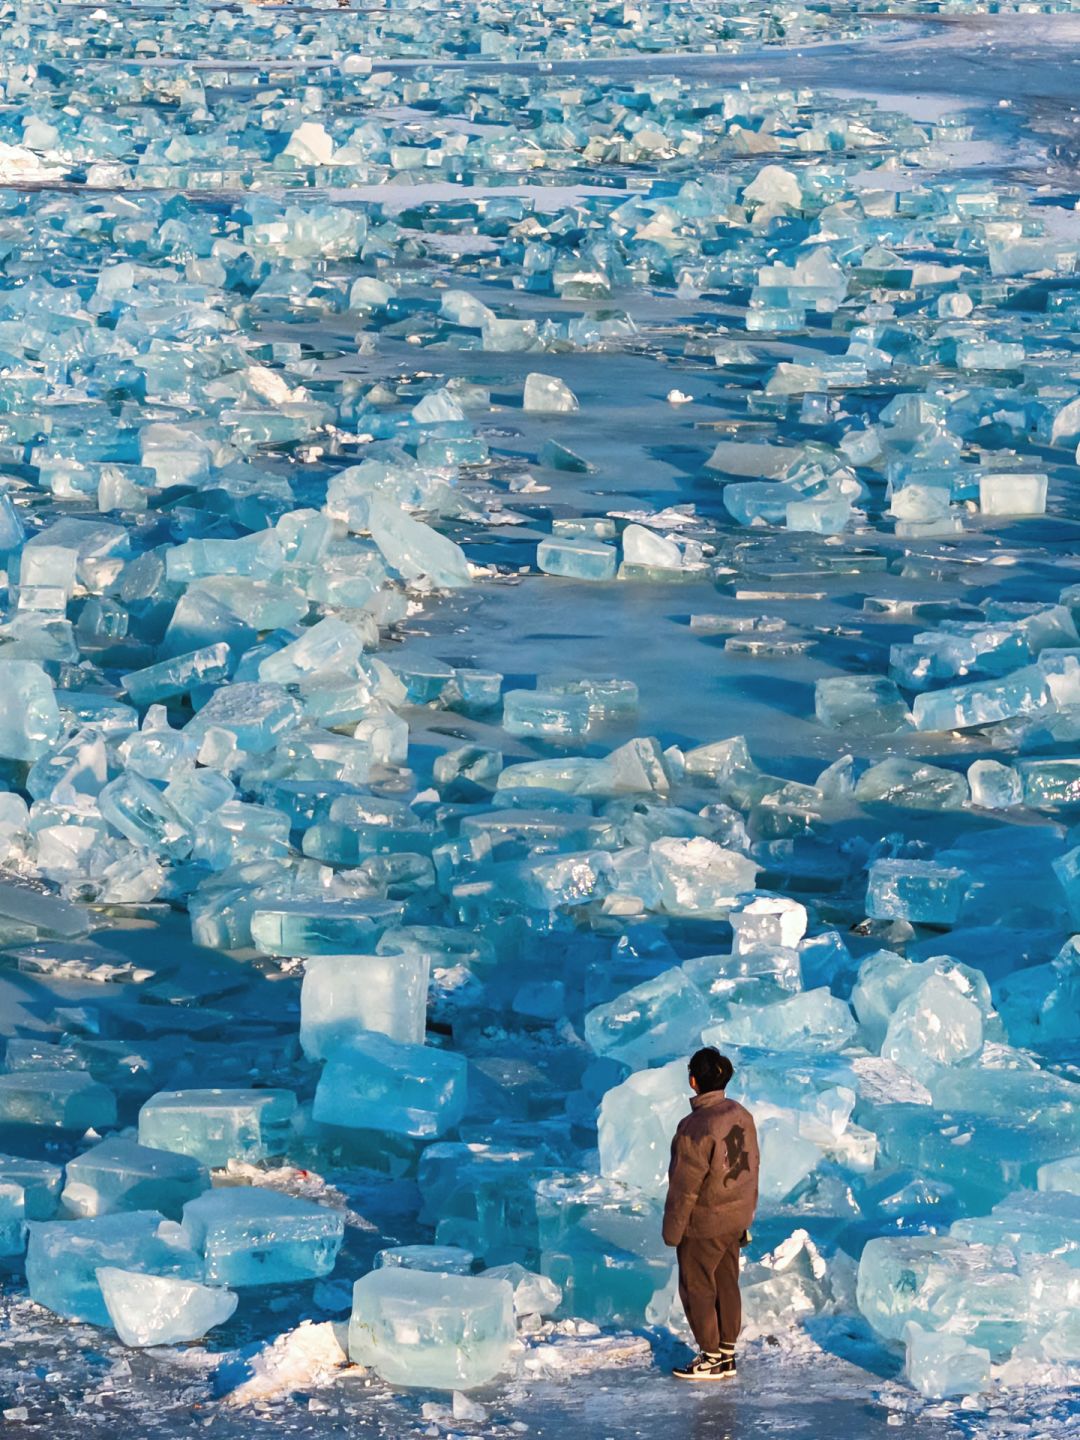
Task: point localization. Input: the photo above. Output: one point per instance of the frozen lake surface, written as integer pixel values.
(810, 281)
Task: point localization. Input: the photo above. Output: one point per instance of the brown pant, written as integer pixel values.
(709, 1290)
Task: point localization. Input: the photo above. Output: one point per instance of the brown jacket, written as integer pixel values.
(713, 1176)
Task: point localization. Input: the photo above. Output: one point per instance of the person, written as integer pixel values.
(711, 1199)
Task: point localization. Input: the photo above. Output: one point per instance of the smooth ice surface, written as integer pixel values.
(445, 1332)
(371, 1082)
(63, 1258)
(345, 995)
(251, 1236)
(122, 1175)
(160, 1309)
(216, 1126)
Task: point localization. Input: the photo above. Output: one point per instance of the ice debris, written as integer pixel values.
(466, 923)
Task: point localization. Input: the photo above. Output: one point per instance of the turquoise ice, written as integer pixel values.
(247, 1235)
(119, 1174)
(161, 1309)
(216, 1126)
(440, 1331)
(371, 1082)
(64, 1256)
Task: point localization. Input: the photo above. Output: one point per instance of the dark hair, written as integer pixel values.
(710, 1069)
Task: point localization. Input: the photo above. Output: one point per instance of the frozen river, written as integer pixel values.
(162, 985)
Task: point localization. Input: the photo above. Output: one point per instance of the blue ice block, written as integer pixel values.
(345, 995)
(371, 1082)
(216, 1126)
(29, 718)
(438, 1331)
(62, 1099)
(921, 891)
(442, 1259)
(255, 715)
(248, 1235)
(986, 702)
(39, 1181)
(119, 1174)
(162, 1309)
(656, 1020)
(577, 559)
(64, 1256)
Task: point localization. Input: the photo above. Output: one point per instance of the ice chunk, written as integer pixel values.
(533, 1294)
(216, 1126)
(1007, 492)
(344, 995)
(746, 978)
(1061, 1174)
(64, 1256)
(653, 1021)
(548, 395)
(935, 1025)
(940, 1365)
(698, 877)
(444, 1259)
(250, 1235)
(918, 890)
(577, 559)
(637, 1121)
(986, 702)
(160, 1309)
(768, 920)
(371, 1082)
(994, 786)
(811, 1020)
(29, 717)
(61, 1099)
(415, 550)
(860, 705)
(442, 1332)
(38, 1180)
(118, 1174)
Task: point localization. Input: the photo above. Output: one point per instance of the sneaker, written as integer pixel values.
(708, 1367)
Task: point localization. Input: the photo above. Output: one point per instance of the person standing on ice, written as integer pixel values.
(711, 1199)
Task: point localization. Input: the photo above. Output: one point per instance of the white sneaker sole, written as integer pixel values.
(713, 1379)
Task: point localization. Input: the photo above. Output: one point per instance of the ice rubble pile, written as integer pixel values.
(218, 507)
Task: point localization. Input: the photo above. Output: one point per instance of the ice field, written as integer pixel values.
(536, 535)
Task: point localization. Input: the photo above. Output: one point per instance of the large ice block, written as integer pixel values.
(63, 1258)
(442, 1332)
(344, 995)
(942, 1283)
(918, 890)
(29, 717)
(442, 1259)
(161, 1309)
(654, 1021)
(986, 702)
(118, 1174)
(371, 1082)
(810, 1020)
(216, 1126)
(698, 877)
(937, 1024)
(62, 1099)
(941, 1365)
(746, 978)
(860, 705)
(767, 920)
(637, 1121)
(248, 1235)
